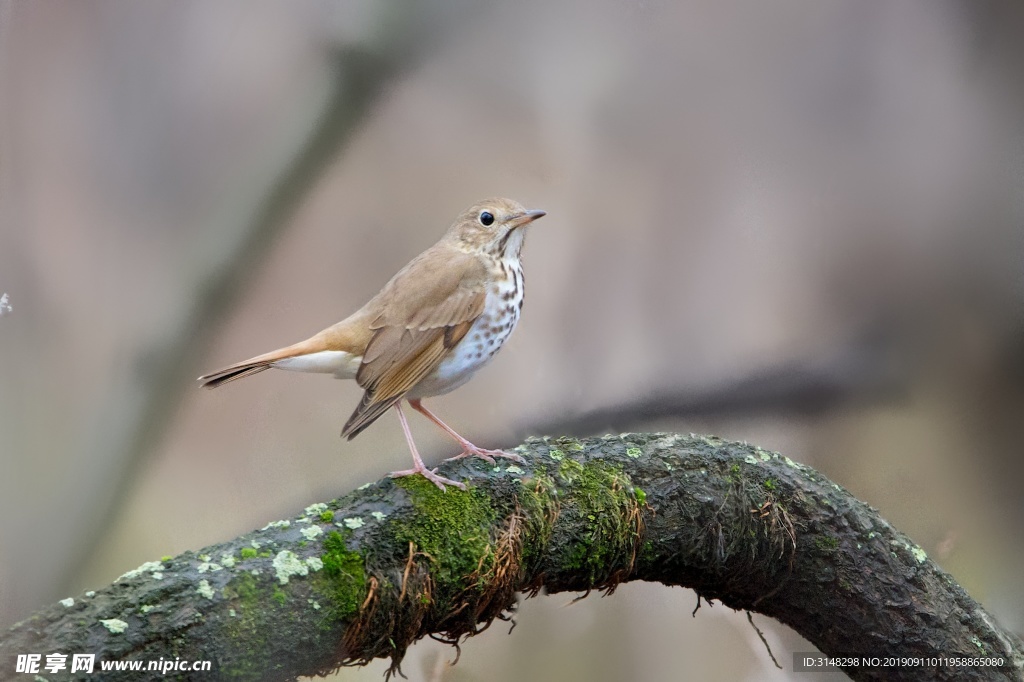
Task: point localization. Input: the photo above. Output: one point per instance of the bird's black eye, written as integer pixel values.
(486, 219)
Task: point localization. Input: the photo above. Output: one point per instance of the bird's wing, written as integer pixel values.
(424, 311)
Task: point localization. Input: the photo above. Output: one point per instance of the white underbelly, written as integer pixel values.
(484, 339)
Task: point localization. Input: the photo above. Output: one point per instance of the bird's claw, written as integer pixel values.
(429, 474)
(470, 450)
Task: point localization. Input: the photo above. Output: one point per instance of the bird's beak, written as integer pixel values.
(529, 217)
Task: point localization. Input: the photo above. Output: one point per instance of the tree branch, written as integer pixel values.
(368, 574)
(867, 371)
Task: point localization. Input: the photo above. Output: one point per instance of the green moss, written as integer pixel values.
(539, 504)
(599, 514)
(244, 589)
(647, 551)
(342, 581)
(826, 543)
(641, 496)
(279, 595)
(166, 557)
(770, 484)
(570, 470)
(327, 516)
(248, 628)
(452, 527)
(248, 553)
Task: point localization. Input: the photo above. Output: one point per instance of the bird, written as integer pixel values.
(435, 323)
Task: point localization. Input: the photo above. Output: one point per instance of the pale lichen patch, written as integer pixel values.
(915, 551)
(354, 522)
(379, 515)
(556, 454)
(149, 566)
(67, 603)
(634, 453)
(315, 563)
(514, 470)
(114, 625)
(146, 608)
(311, 532)
(205, 589)
(227, 559)
(90, 593)
(209, 567)
(286, 564)
(284, 523)
(316, 509)
(668, 440)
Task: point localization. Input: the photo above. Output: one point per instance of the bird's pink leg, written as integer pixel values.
(418, 467)
(468, 449)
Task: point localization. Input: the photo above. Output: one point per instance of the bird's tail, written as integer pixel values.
(257, 364)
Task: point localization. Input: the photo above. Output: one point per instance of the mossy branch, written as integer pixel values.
(366, 575)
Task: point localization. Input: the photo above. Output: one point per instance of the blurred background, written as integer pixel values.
(793, 223)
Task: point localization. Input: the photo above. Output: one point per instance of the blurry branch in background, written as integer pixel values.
(366, 575)
(139, 404)
(868, 372)
(137, 413)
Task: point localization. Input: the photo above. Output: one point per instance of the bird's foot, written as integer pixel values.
(429, 474)
(470, 450)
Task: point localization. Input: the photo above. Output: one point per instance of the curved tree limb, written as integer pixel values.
(368, 574)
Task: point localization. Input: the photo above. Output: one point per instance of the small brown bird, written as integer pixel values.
(439, 320)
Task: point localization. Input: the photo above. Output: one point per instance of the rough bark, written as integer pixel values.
(366, 575)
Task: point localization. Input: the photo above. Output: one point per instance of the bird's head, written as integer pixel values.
(495, 227)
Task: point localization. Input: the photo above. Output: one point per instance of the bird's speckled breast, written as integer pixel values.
(502, 309)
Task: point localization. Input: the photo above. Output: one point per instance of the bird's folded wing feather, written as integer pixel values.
(417, 327)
